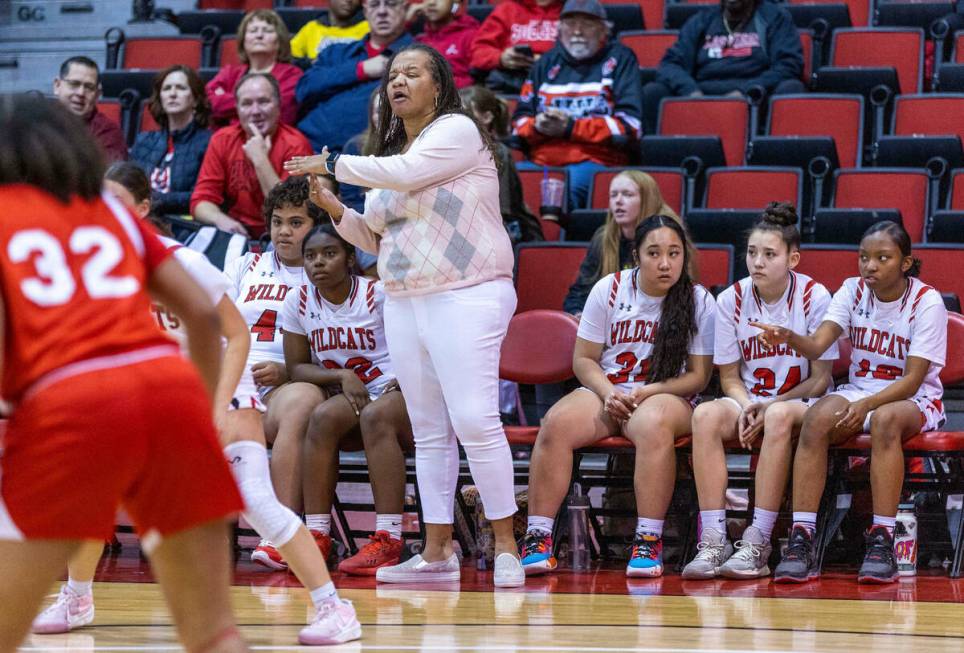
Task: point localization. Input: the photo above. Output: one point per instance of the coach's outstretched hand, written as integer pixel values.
(308, 165)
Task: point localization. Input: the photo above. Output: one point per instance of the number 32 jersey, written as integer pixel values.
(624, 319)
(350, 335)
(769, 371)
(259, 285)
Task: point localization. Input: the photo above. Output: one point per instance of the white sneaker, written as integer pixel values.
(335, 622)
(509, 571)
(713, 549)
(68, 612)
(417, 570)
(751, 557)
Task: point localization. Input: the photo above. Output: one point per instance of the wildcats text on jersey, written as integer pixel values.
(346, 338)
(267, 292)
(627, 332)
(753, 350)
(880, 342)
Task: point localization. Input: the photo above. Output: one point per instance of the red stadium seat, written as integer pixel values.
(726, 118)
(898, 48)
(532, 195)
(147, 122)
(955, 198)
(715, 265)
(110, 108)
(886, 188)
(669, 180)
(752, 188)
(544, 272)
(839, 116)
(228, 51)
(161, 52)
(930, 113)
(941, 267)
(649, 46)
(859, 9)
(806, 43)
(828, 264)
(652, 11)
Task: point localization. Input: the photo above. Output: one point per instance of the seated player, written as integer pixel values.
(335, 339)
(640, 380)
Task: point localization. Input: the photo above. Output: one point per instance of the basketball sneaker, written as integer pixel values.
(798, 560)
(418, 570)
(508, 571)
(880, 563)
(335, 622)
(382, 550)
(712, 551)
(536, 553)
(266, 555)
(751, 556)
(324, 543)
(646, 558)
(69, 611)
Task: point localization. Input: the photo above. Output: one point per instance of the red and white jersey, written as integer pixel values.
(73, 279)
(350, 335)
(621, 317)
(883, 334)
(259, 285)
(209, 277)
(769, 371)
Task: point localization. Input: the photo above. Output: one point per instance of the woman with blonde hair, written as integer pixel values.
(264, 46)
(633, 196)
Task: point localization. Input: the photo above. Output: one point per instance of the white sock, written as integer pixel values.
(391, 524)
(78, 588)
(320, 523)
(649, 526)
(715, 519)
(326, 592)
(764, 520)
(543, 524)
(887, 522)
(805, 519)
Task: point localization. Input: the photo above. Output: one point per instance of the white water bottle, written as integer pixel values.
(905, 540)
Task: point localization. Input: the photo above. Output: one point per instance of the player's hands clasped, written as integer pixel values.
(354, 391)
(619, 405)
(750, 425)
(853, 418)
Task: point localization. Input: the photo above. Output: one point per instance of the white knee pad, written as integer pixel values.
(273, 521)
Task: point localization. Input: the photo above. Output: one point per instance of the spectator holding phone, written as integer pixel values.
(511, 39)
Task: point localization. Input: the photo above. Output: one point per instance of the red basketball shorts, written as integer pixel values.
(140, 436)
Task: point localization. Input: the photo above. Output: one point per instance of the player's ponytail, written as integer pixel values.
(780, 218)
(678, 316)
(901, 238)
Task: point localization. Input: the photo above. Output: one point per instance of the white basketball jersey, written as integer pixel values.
(211, 279)
(621, 317)
(260, 283)
(883, 334)
(769, 371)
(350, 335)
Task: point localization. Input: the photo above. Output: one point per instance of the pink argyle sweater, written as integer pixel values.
(433, 215)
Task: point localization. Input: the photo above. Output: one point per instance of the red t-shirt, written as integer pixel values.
(73, 279)
(228, 179)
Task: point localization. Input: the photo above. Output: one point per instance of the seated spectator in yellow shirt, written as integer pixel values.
(345, 23)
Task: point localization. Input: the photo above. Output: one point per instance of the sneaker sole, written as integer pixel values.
(510, 582)
(265, 561)
(652, 572)
(736, 574)
(347, 635)
(796, 579)
(366, 571)
(698, 575)
(420, 577)
(58, 629)
(541, 567)
(877, 580)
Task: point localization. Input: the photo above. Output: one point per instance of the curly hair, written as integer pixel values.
(293, 192)
(272, 18)
(678, 315)
(780, 218)
(202, 105)
(901, 238)
(390, 137)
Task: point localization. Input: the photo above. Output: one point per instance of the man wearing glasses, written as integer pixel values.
(334, 92)
(78, 88)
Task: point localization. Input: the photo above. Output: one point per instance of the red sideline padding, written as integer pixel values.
(920, 444)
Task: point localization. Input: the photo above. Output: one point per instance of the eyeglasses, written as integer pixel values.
(388, 4)
(76, 84)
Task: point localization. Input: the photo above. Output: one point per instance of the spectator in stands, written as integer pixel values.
(244, 161)
(78, 88)
(580, 107)
(171, 156)
(633, 196)
(264, 46)
(724, 51)
(514, 35)
(493, 114)
(344, 24)
(364, 144)
(334, 92)
(449, 31)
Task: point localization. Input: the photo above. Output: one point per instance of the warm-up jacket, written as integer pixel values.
(601, 94)
(765, 51)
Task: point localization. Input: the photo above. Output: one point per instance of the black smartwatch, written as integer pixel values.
(330, 163)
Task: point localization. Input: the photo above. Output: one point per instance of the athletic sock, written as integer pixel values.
(807, 520)
(391, 524)
(764, 521)
(649, 526)
(326, 592)
(78, 588)
(715, 519)
(887, 522)
(320, 523)
(542, 524)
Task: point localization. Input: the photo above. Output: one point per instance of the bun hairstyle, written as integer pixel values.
(678, 315)
(781, 218)
(901, 238)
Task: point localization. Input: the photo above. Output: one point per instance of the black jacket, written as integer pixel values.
(190, 143)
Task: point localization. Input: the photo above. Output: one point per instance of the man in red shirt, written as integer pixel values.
(244, 161)
(78, 88)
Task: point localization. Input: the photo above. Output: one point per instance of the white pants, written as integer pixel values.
(445, 349)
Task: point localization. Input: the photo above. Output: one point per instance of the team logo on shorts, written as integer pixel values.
(609, 66)
(553, 72)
